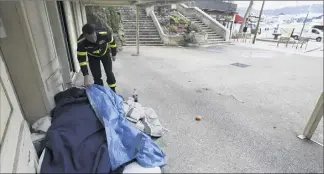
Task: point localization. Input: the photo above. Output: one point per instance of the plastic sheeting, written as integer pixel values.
(125, 142)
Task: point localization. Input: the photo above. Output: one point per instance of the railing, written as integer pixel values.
(205, 18)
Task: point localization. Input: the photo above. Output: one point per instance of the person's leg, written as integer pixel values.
(94, 64)
(107, 64)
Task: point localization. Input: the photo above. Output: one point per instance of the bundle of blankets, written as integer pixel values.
(90, 134)
(143, 118)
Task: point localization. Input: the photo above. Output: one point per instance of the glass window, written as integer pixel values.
(315, 31)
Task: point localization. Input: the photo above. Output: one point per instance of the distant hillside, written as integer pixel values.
(317, 8)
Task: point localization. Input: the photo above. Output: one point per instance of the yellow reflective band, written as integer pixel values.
(103, 32)
(112, 38)
(113, 46)
(97, 52)
(81, 53)
(112, 85)
(83, 63)
(106, 49)
(101, 54)
(82, 39)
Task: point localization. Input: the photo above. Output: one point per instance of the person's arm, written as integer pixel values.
(82, 58)
(113, 45)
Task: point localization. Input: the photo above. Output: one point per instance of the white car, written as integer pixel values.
(312, 33)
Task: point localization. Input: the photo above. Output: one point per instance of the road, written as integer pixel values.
(250, 116)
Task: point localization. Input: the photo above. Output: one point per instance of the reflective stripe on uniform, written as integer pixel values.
(82, 39)
(83, 63)
(101, 54)
(113, 46)
(106, 49)
(97, 52)
(103, 32)
(81, 53)
(112, 38)
(112, 85)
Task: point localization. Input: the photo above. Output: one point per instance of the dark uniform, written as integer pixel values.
(99, 51)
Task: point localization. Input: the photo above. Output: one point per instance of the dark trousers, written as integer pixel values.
(94, 64)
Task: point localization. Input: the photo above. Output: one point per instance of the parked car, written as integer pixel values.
(312, 33)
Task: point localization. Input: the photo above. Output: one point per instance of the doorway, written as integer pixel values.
(68, 46)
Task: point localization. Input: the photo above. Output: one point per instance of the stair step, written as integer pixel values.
(220, 39)
(141, 27)
(131, 12)
(155, 33)
(152, 37)
(141, 31)
(141, 24)
(143, 36)
(134, 19)
(214, 37)
(142, 39)
(133, 16)
(138, 20)
(143, 44)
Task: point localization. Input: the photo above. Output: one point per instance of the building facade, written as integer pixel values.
(38, 59)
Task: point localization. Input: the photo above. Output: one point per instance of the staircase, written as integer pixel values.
(148, 34)
(213, 37)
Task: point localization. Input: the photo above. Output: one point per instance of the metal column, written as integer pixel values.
(313, 120)
(258, 24)
(137, 30)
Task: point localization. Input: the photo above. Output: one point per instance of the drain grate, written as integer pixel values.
(241, 65)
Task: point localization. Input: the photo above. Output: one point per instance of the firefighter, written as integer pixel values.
(97, 45)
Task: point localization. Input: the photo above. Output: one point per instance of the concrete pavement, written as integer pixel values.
(250, 116)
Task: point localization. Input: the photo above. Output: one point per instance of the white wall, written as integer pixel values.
(59, 40)
(30, 54)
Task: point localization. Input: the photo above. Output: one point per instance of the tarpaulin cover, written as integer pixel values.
(125, 142)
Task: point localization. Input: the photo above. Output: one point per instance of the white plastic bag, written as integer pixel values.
(42, 124)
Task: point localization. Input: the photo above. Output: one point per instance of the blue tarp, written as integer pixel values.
(125, 142)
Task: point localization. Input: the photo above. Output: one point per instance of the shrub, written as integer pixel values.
(172, 29)
(182, 21)
(173, 19)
